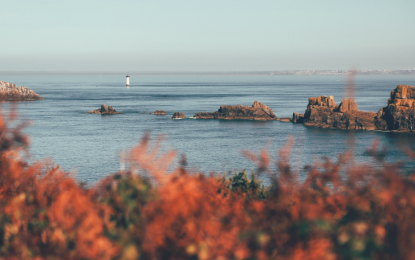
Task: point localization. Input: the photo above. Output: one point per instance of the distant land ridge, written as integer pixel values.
(219, 73)
(344, 72)
(283, 72)
(280, 72)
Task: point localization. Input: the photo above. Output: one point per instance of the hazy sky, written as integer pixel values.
(191, 35)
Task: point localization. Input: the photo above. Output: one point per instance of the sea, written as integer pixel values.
(93, 146)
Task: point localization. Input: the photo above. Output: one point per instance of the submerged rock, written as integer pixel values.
(104, 110)
(9, 92)
(257, 111)
(178, 115)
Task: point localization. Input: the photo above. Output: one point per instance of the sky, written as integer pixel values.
(199, 35)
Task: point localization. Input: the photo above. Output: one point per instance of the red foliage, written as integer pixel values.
(341, 211)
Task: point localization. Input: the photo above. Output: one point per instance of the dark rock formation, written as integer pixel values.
(160, 113)
(258, 111)
(259, 106)
(178, 115)
(297, 118)
(104, 110)
(322, 112)
(399, 114)
(9, 92)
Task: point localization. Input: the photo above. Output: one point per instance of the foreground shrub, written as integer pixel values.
(341, 210)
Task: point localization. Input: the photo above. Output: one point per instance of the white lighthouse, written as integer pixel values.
(128, 80)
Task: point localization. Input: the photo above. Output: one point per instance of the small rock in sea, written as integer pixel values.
(160, 113)
(178, 115)
(104, 110)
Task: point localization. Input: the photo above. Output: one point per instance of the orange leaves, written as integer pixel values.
(73, 212)
(316, 249)
(146, 160)
(341, 210)
(192, 213)
(44, 213)
(262, 161)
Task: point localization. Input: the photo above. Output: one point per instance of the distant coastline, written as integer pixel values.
(218, 73)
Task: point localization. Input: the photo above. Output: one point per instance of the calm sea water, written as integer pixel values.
(91, 144)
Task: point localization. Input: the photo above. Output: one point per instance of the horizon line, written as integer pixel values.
(206, 73)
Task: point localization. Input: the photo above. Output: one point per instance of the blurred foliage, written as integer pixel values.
(252, 188)
(340, 211)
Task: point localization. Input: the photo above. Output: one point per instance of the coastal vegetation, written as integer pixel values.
(341, 210)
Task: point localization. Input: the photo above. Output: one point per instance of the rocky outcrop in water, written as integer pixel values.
(104, 110)
(160, 113)
(298, 118)
(9, 92)
(347, 105)
(399, 114)
(257, 111)
(259, 106)
(178, 115)
(322, 112)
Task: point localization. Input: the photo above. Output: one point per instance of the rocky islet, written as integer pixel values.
(397, 116)
(322, 112)
(104, 110)
(9, 92)
(178, 115)
(257, 111)
(160, 113)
